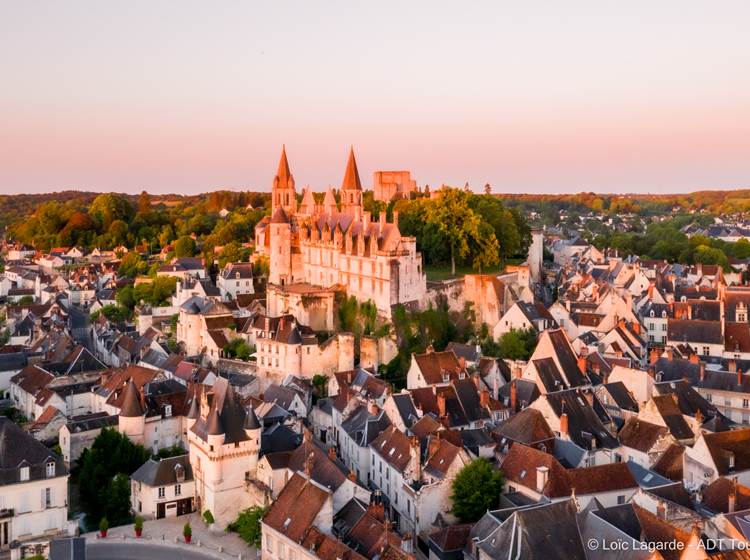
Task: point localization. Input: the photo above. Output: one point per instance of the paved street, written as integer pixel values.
(113, 550)
(159, 538)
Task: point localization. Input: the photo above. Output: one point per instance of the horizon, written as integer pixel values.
(633, 99)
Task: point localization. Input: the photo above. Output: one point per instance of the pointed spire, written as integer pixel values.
(329, 202)
(308, 202)
(351, 176)
(194, 412)
(213, 424)
(283, 174)
(131, 402)
(251, 419)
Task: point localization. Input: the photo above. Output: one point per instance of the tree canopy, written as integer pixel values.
(475, 490)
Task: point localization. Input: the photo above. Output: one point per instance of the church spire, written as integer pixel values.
(351, 176)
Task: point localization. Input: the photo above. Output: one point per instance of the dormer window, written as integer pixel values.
(179, 472)
(50, 470)
(167, 410)
(24, 474)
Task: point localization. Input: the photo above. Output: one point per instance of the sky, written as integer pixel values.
(532, 97)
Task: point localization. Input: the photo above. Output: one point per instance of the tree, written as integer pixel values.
(476, 489)
(131, 265)
(104, 470)
(108, 207)
(233, 252)
(184, 247)
(144, 203)
(238, 348)
(518, 344)
(247, 525)
(458, 223)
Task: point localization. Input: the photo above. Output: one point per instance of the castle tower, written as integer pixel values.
(132, 419)
(280, 253)
(308, 203)
(283, 194)
(329, 202)
(253, 430)
(351, 188)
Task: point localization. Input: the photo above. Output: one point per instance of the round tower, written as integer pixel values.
(253, 431)
(132, 419)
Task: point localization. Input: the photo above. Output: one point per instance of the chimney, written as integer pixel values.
(694, 359)
(441, 404)
(416, 458)
(732, 365)
(434, 445)
(352, 476)
(542, 475)
(739, 377)
(702, 371)
(655, 355)
(670, 354)
(637, 328)
(513, 396)
(661, 510)
(732, 500)
(332, 453)
(564, 425)
(517, 372)
(484, 398)
(582, 364)
(477, 381)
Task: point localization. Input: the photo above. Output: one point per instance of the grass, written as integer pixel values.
(440, 272)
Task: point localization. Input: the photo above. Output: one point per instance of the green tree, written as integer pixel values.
(104, 471)
(131, 265)
(518, 344)
(233, 252)
(108, 207)
(238, 348)
(184, 247)
(476, 489)
(247, 525)
(451, 215)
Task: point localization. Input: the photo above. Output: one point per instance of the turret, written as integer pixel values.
(351, 188)
(253, 429)
(283, 194)
(194, 412)
(132, 419)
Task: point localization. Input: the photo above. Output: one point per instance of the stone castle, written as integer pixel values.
(316, 250)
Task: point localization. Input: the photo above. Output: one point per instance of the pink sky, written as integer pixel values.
(530, 97)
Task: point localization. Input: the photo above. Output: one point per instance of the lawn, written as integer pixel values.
(438, 273)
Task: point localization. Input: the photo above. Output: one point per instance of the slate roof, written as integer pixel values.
(18, 449)
(164, 471)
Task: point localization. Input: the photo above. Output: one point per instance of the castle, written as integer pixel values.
(316, 250)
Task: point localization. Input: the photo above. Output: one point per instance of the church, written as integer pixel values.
(318, 250)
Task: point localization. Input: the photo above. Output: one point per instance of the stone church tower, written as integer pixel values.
(283, 194)
(351, 189)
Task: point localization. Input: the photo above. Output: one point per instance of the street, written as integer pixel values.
(132, 551)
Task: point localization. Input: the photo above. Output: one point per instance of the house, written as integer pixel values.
(163, 488)
(524, 316)
(718, 454)
(235, 279)
(30, 471)
(434, 368)
(79, 433)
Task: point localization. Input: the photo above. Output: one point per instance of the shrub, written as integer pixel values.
(208, 517)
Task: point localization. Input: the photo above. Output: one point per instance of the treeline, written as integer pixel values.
(549, 205)
(458, 227)
(110, 220)
(665, 241)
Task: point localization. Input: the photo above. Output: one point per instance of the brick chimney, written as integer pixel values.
(702, 371)
(732, 365)
(564, 425)
(441, 404)
(582, 364)
(694, 359)
(517, 372)
(661, 510)
(654, 356)
(484, 398)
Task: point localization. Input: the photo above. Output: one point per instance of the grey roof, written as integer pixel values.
(12, 361)
(164, 471)
(90, 422)
(251, 420)
(647, 478)
(18, 449)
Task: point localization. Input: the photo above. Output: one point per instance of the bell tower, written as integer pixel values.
(351, 188)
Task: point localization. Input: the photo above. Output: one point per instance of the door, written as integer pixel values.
(159, 511)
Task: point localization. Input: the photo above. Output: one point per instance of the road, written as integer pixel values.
(130, 551)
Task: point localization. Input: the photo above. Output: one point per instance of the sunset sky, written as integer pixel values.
(188, 96)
